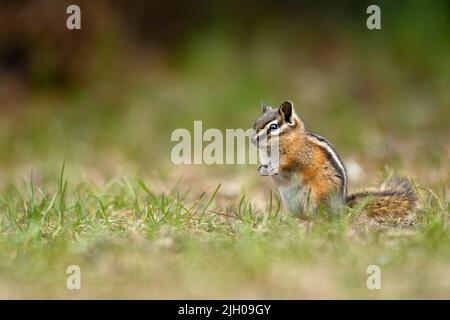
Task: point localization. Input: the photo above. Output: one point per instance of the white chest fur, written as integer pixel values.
(295, 196)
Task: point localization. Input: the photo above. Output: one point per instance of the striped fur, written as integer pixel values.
(333, 157)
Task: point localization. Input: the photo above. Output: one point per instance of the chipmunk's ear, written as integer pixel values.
(286, 110)
(264, 107)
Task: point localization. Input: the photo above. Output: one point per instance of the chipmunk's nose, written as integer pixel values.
(254, 138)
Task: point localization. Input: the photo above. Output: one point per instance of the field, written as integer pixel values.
(86, 177)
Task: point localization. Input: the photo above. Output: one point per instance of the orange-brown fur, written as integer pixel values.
(308, 161)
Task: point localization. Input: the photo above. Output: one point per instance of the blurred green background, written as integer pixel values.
(107, 97)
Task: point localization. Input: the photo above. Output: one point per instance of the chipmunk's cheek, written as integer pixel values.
(260, 140)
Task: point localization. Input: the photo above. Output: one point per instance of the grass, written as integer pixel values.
(132, 242)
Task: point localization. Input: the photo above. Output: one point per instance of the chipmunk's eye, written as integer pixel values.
(273, 126)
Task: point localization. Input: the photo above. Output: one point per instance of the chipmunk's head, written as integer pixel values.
(277, 123)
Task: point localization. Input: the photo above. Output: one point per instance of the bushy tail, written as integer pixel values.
(395, 198)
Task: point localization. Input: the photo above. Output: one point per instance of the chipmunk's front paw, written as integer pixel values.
(267, 170)
(271, 170)
(263, 170)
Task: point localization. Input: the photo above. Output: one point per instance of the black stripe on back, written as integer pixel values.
(322, 139)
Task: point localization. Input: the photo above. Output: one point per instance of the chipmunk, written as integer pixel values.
(310, 173)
